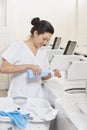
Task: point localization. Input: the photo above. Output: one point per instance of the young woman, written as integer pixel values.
(28, 55)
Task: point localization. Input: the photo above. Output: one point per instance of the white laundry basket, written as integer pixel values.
(41, 113)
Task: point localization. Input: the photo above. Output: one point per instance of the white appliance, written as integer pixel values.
(77, 70)
(62, 62)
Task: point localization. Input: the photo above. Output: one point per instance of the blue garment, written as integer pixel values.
(18, 119)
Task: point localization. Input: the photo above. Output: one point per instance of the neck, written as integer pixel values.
(31, 45)
(30, 42)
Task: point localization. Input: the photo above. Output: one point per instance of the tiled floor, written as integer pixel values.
(3, 93)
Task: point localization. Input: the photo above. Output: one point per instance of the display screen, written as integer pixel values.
(70, 48)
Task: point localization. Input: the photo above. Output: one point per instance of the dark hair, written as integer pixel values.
(41, 26)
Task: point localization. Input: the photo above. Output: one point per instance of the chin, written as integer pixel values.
(40, 46)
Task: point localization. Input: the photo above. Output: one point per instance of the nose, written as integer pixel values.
(45, 42)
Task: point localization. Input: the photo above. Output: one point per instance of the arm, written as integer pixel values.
(47, 77)
(56, 74)
(9, 68)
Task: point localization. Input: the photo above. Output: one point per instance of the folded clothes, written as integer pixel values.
(18, 119)
(31, 75)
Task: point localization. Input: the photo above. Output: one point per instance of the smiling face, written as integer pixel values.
(40, 40)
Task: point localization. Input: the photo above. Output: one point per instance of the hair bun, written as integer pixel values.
(35, 21)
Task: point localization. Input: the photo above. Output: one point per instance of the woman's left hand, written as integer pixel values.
(57, 73)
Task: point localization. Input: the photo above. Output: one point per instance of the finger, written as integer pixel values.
(38, 70)
(34, 71)
(59, 75)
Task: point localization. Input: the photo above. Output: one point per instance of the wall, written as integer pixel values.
(61, 13)
(82, 22)
(69, 17)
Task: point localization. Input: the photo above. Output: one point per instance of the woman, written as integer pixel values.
(28, 55)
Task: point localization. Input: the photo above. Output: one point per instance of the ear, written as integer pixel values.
(35, 33)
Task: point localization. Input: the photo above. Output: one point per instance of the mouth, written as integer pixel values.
(41, 44)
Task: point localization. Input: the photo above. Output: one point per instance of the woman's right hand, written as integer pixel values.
(36, 69)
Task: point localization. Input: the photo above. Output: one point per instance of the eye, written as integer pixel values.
(45, 39)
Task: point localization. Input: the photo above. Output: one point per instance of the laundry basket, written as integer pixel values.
(40, 113)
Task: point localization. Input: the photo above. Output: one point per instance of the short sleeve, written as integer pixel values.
(12, 54)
